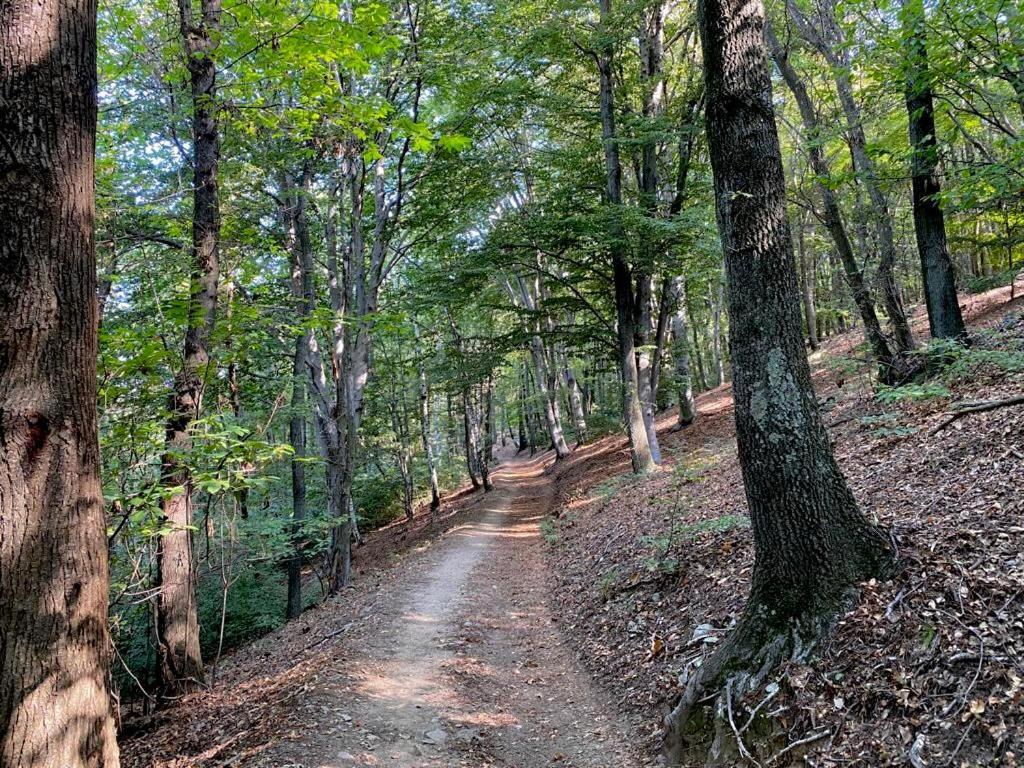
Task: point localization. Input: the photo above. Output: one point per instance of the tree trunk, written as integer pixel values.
(177, 626)
(661, 329)
(807, 278)
(297, 438)
(812, 544)
(54, 644)
(645, 390)
(575, 398)
(425, 421)
(470, 442)
(552, 411)
(640, 449)
(717, 301)
(944, 318)
(681, 355)
(302, 291)
(487, 447)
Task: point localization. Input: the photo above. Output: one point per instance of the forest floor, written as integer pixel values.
(552, 622)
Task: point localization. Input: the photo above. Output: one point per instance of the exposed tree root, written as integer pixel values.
(704, 729)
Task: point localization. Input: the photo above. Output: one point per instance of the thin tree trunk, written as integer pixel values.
(54, 644)
(425, 421)
(297, 438)
(303, 295)
(644, 332)
(944, 318)
(812, 544)
(661, 336)
(487, 447)
(681, 355)
(181, 664)
(470, 441)
(640, 449)
(807, 277)
(575, 398)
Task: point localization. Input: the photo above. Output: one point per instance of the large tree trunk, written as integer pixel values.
(54, 645)
(681, 356)
(640, 449)
(177, 626)
(829, 44)
(944, 318)
(812, 544)
(831, 214)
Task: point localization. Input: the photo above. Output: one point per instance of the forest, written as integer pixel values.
(595, 383)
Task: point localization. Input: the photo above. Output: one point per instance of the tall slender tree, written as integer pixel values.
(944, 317)
(54, 644)
(622, 274)
(812, 544)
(177, 626)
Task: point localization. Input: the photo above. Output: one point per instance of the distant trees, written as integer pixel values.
(54, 641)
(812, 544)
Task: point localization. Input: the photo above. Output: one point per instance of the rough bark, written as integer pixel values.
(944, 318)
(640, 449)
(177, 625)
(831, 214)
(54, 646)
(812, 544)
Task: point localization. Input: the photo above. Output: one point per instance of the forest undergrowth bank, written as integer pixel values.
(927, 670)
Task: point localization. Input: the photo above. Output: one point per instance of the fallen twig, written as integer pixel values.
(328, 636)
(980, 406)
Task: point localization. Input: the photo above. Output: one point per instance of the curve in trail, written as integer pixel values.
(464, 665)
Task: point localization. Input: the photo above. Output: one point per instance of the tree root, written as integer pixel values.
(703, 729)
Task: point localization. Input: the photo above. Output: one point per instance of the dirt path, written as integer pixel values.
(463, 663)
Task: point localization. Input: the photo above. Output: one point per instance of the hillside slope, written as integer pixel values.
(929, 668)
